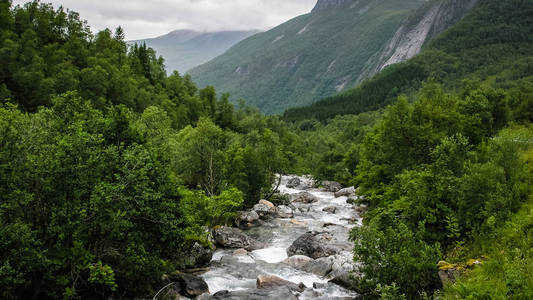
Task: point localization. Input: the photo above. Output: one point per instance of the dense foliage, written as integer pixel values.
(436, 173)
(493, 43)
(110, 169)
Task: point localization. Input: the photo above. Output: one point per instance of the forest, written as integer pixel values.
(112, 171)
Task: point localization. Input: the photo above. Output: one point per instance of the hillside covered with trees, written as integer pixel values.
(112, 173)
(109, 168)
(492, 44)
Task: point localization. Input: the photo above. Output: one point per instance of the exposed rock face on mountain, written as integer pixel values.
(335, 47)
(186, 49)
(424, 25)
(309, 57)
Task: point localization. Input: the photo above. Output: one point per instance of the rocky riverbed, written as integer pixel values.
(295, 250)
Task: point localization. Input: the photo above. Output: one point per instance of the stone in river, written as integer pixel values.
(234, 238)
(320, 267)
(345, 192)
(283, 293)
(270, 281)
(304, 197)
(311, 244)
(330, 209)
(331, 186)
(297, 261)
(285, 212)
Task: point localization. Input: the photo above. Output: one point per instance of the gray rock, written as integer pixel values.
(351, 199)
(270, 281)
(283, 293)
(343, 280)
(265, 211)
(285, 211)
(247, 219)
(189, 285)
(311, 244)
(320, 267)
(330, 209)
(298, 261)
(234, 238)
(318, 285)
(197, 256)
(304, 197)
(294, 182)
(249, 216)
(331, 186)
(448, 276)
(350, 191)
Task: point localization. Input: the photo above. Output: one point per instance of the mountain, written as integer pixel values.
(186, 49)
(491, 44)
(309, 57)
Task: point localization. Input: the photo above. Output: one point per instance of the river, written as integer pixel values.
(239, 272)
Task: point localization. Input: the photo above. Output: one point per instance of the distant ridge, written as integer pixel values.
(186, 49)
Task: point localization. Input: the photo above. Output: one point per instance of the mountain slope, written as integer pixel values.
(308, 57)
(493, 44)
(186, 49)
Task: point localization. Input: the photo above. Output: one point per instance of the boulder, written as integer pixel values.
(341, 265)
(448, 273)
(249, 216)
(350, 191)
(330, 209)
(283, 293)
(311, 244)
(267, 203)
(247, 219)
(285, 211)
(297, 261)
(189, 285)
(270, 281)
(304, 197)
(294, 182)
(265, 211)
(240, 252)
(234, 238)
(198, 256)
(343, 280)
(320, 267)
(331, 186)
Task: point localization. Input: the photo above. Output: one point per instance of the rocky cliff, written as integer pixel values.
(424, 25)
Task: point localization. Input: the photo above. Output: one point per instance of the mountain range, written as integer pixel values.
(335, 47)
(186, 49)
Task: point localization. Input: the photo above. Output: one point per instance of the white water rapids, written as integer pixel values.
(233, 273)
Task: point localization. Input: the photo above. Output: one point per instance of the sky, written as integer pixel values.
(150, 18)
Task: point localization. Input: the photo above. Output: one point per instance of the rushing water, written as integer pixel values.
(229, 272)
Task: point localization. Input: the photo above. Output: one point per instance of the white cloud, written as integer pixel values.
(143, 19)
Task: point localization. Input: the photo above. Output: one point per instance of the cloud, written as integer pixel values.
(143, 19)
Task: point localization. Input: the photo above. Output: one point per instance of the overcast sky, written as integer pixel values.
(145, 18)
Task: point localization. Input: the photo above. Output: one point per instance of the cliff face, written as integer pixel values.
(430, 20)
